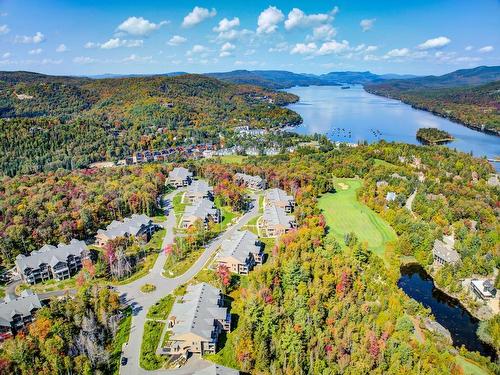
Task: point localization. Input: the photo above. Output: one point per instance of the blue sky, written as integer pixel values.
(95, 37)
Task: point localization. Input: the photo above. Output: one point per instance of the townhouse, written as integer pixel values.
(241, 252)
(179, 177)
(251, 182)
(275, 221)
(203, 210)
(17, 312)
(197, 191)
(279, 198)
(136, 225)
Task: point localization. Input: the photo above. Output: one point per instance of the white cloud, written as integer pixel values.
(36, 51)
(51, 62)
(139, 26)
(61, 48)
(89, 45)
(438, 42)
(269, 19)
(334, 47)
(371, 48)
(246, 63)
(226, 49)
(6, 55)
(84, 60)
(117, 42)
(135, 58)
(198, 15)
(304, 49)
(367, 24)
(177, 40)
(469, 48)
(371, 58)
(324, 32)
(250, 52)
(280, 47)
(197, 49)
(397, 52)
(297, 18)
(4, 29)
(35, 39)
(226, 25)
(486, 49)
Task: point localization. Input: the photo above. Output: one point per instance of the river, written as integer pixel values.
(448, 311)
(353, 115)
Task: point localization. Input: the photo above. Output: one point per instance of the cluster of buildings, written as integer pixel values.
(196, 321)
(241, 252)
(161, 155)
(277, 218)
(17, 312)
(136, 226)
(249, 181)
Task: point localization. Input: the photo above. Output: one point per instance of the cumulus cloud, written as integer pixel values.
(297, 18)
(61, 48)
(226, 25)
(323, 32)
(226, 49)
(4, 29)
(51, 62)
(84, 60)
(469, 48)
(35, 39)
(280, 47)
(397, 52)
(333, 47)
(36, 51)
(117, 42)
(139, 26)
(434, 43)
(304, 49)
(269, 19)
(367, 24)
(486, 49)
(135, 58)
(198, 15)
(177, 40)
(197, 49)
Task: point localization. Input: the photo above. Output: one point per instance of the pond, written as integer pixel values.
(354, 115)
(448, 311)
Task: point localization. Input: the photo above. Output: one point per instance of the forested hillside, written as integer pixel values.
(52, 122)
(471, 97)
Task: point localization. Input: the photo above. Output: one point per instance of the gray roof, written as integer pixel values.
(129, 226)
(216, 369)
(50, 255)
(199, 187)
(276, 215)
(197, 312)
(249, 179)
(200, 209)
(390, 196)
(22, 305)
(240, 245)
(179, 173)
(278, 195)
(445, 252)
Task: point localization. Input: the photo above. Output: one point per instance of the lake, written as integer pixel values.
(354, 115)
(448, 311)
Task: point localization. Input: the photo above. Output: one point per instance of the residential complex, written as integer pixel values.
(279, 198)
(51, 262)
(241, 252)
(275, 221)
(179, 177)
(483, 289)
(136, 225)
(251, 182)
(203, 210)
(17, 312)
(196, 321)
(216, 369)
(197, 191)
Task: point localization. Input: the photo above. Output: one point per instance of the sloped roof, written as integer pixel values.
(197, 311)
(50, 255)
(199, 187)
(277, 216)
(278, 195)
(200, 209)
(445, 252)
(180, 173)
(240, 245)
(249, 178)
(22, 305)
(130, 225)
(215, 369)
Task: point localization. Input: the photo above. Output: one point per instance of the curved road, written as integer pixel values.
(141, 302)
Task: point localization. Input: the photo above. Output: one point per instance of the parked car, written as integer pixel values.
(124, 361)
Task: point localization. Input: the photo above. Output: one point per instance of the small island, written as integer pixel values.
(433, 136)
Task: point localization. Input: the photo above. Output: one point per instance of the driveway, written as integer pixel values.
(141, 302)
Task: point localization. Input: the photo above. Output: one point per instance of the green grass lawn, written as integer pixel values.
(161, 309)
(177, 203)
(470, 368)
(121, 338)
(383, 162)
(344, 214)
(149, 360)
(48, 286)
(233, 159)
(174, 268)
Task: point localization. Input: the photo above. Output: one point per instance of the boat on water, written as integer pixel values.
(345, 87)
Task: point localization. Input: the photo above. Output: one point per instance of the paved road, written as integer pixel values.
(409, 202)
(141, 302)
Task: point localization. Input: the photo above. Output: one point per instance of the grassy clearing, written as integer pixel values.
(345, 214)
(149, 360)
(469, 367)
(177, 203)
(233, 159)
(121, 338)
(175, 267)
(383, 162)
(48, 286)
(161, 309)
